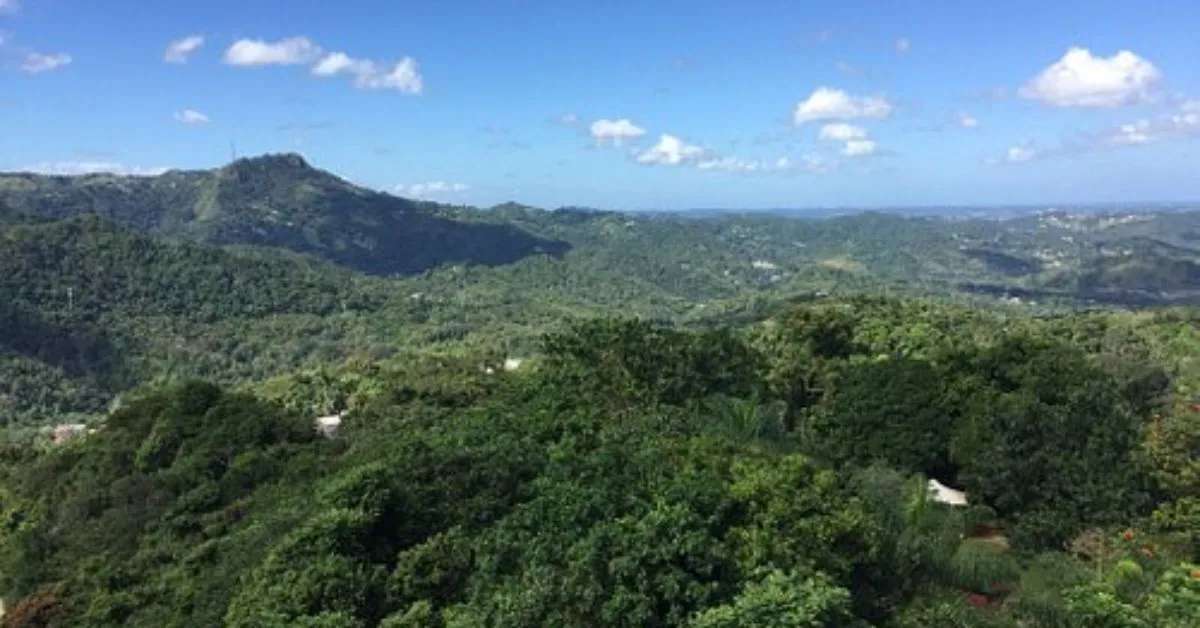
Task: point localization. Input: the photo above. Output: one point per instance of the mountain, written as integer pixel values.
(278, 201)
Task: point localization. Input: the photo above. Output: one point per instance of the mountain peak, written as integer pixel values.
(271, 161)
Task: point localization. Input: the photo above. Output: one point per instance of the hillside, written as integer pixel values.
(278, 201)
(637, 475)
(94, 308)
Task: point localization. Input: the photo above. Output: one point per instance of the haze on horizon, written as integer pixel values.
(674, 106)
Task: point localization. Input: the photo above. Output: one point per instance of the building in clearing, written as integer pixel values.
(65, 432)
(327, 426)
(943, 494)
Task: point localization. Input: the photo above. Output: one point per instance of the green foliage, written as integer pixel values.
(889, 411)
(783, 600)
(633, 475)
(639, 362)
(1047, 438)
(981, 566)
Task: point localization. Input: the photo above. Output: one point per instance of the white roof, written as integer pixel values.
(941, 493)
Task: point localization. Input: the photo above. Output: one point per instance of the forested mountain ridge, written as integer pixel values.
(96, 306)
(279, 201)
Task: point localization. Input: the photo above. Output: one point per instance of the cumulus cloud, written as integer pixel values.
(430, 189)
(36, 62)
(670, 151)
(967, 121)
(615, 131)
(841, 132)
(403, 76)
(191, 117)
(903, 45)
(74, 168)
(179, 50)
(859, 148)
(256, 52)
(826, 103)
(1080, 79)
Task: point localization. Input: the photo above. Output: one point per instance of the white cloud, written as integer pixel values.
(403, 76)
(615, 131)
(856, 140)
(841, 132)
(1184, 122)
(74, 168)
(967, 121)
(1188, 117)
(430, 189)
(336, 63)
(737, 164)
(191, 117)
(1133, 133)
(254, 52)
(179, 50)
(670, 151)
(1019, 154)
(730, 164)
(859, 148)
(568, 119)
(9, 6)
(903, 45)
(1082, 80)
(36, 62)
(826, 103)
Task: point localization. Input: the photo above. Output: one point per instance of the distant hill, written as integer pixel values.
(279, 201)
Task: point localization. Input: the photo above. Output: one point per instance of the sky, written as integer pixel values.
(671, 105)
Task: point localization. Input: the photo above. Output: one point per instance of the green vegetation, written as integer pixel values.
(638, 475)
(640, 421)
(279, 201)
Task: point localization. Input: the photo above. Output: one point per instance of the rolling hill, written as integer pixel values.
(278, 201)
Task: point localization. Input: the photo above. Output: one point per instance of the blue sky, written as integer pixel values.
(669, 106)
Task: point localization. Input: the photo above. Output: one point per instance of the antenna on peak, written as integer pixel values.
(232, 151)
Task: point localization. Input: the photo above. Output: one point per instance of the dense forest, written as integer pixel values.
(583, 418)
(640, 475)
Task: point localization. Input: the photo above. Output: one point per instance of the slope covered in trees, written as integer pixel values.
(278, 201)
(640, 475)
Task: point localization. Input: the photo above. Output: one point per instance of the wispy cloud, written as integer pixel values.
(403, 75)
(75, 168)
(37, 63)
(179, 50)
(430, 189)
(191, 117)
(856, 141)
(9, 6)
(1182, 122)
(903, 45)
